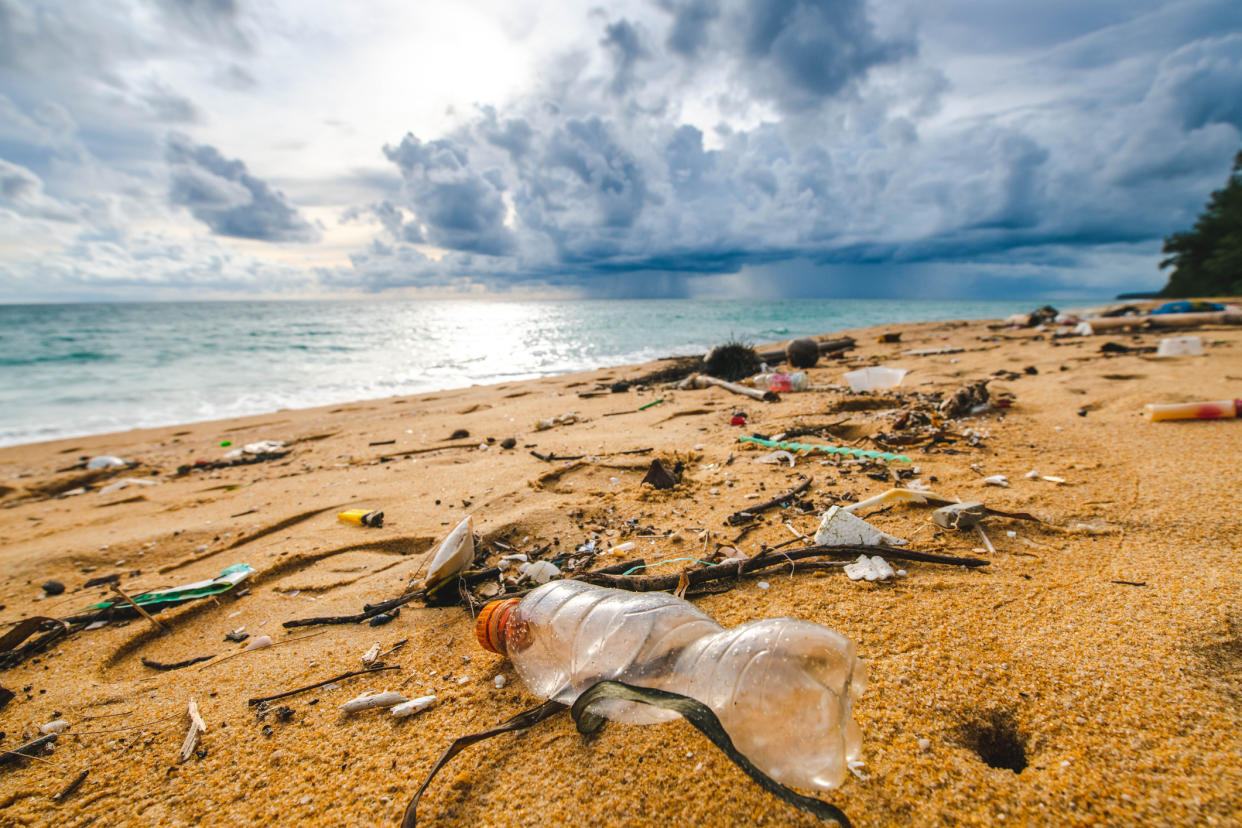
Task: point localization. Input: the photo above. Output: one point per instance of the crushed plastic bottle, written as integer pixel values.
(783, 689)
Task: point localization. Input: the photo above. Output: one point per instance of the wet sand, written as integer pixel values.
(1091, 674)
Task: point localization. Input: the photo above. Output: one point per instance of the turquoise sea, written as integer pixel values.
(69, 370)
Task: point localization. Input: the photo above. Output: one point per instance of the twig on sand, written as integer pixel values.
(197, 727)
(159, 625)
(743, 515)
(552, 456)
(766, 560)
(68, 790)
(176, 665)
(341, 677)
(27, 750)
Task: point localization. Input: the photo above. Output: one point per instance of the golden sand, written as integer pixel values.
(1122, 697)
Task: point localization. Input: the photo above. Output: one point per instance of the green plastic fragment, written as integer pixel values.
(653, 402)
(228, 579)
(886, 456)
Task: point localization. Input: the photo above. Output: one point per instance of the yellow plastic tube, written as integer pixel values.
(361, 517)
(1214, 410)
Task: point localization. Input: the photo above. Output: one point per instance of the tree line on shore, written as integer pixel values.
(1207, 259)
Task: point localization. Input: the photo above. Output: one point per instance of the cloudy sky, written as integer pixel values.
(178, 149)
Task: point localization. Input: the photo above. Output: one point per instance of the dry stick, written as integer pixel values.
(663, 583)
(743, 515)
(197, 727)
(341, 677)
(176, 665)
(68, 790)
(261, 649)
(22, 751)
(428, 450)
(127, 727)
(551, 456)
(159, 625)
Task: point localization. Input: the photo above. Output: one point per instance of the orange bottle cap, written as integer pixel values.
(489, 627)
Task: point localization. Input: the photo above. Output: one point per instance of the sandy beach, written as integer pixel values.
(1098, 652)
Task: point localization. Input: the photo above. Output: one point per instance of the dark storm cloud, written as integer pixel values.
(220, 193)
(804, 50)
(596, 181)
(461, 208)
(623, 42)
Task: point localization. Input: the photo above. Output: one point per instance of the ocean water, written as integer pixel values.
(71, 370)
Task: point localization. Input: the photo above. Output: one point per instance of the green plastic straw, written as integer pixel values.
(666, 560)
(886, 456)
(648, 405)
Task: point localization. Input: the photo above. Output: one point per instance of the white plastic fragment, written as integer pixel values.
(125, 482)
(413, 706)
(368, 658)
(839, 527)
(997, 480)
(874, 378)
(371, 701)
(500, 681)
(1032, 475)
(856, 767)
(623, 547)
(197, 727)
(920, 495)
(1172, 346)
(259, 643)
(454, 555)
(763, 585)
(539, 571)
(776, 457)
(1049, 478)
(507, 561)
(263, 447)
(564, 419)
(872, 568)
(105, 461)
(53, 727)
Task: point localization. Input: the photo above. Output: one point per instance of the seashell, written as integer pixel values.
(259, 643)
(540, 571)
(370, 701)
(456, 552)
(413, 706)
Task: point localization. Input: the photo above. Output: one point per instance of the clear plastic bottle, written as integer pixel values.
(783, 689)
(797, 381)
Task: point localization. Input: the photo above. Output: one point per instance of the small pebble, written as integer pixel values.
(500, 681)
(508, 443)
(381, 619)
(763, 585)
(53, 588)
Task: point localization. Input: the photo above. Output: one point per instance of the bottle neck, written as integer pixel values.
(491, 624)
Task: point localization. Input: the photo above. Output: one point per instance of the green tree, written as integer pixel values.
(1207, 261)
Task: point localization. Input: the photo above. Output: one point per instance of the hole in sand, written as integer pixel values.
(995, 737)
